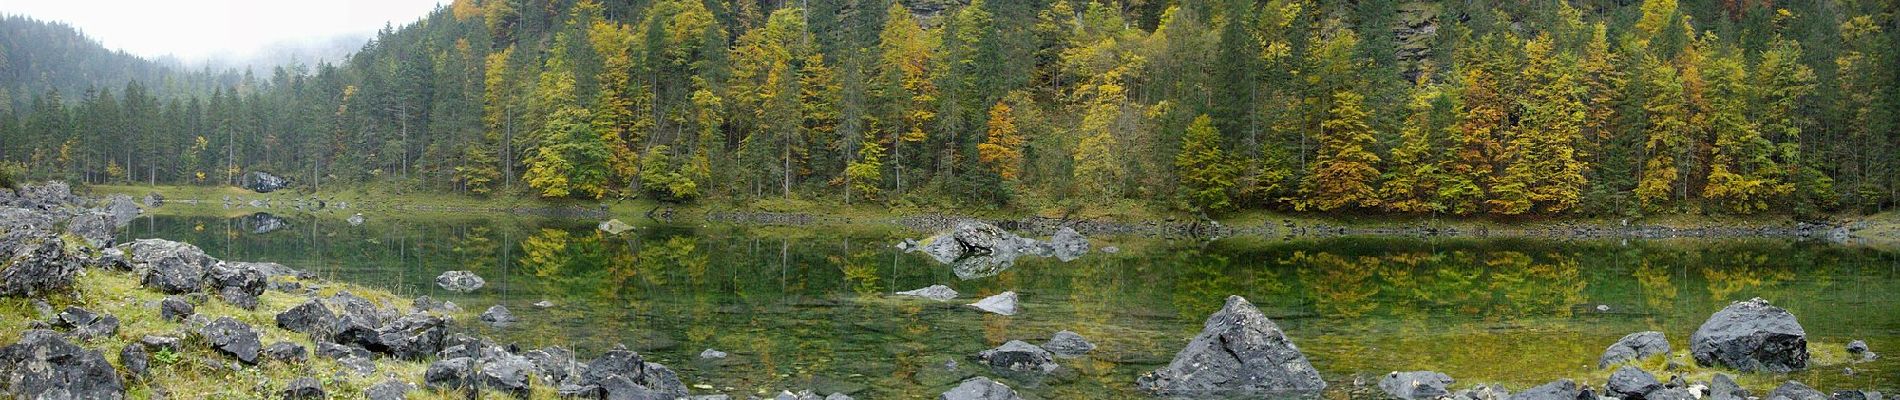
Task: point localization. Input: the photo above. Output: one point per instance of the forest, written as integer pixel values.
(1471, 107)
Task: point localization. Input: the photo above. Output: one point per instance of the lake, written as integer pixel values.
(812, 308)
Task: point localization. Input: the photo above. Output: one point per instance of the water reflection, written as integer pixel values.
(813, 310)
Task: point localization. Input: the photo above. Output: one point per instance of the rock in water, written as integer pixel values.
(1563, 389)
(980, 388)
(614, 227)
(1796, 391)
(1629, 382)
(498, 316)
(1068, 344)
(233, 338)
(168, 266)
(1751, 336)
(1239, 351)
(934, 292)
(1415, 385)
(459, 281)
(1018, 356)
(42, 365)
(1004, 303)
(264, 182)
(37, 269)
(304, 388)
(710, 354)
(1635, 346)
(1068, 245)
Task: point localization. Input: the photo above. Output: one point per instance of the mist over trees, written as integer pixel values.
(1414, 107)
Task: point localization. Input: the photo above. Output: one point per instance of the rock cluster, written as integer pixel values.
(975, 249)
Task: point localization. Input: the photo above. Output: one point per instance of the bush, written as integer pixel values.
(12, 174)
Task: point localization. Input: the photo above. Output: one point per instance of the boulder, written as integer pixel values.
(233, 338)
(1415, 385)
(96, 228)
(135, 359)
(1482, 392)
(1630, 383)
(154, 199)
(311, 317)
(159, 343)
(544, 304)
(505, 372)
(451, 373)
(1004, 303)
(424, 303)
(414, 336)
(37, 268)
(1796, 391)
(710, 354)
(286, 352)
(459, 281)
(361, 365)
(553, 363)
(980, 388)
(614, 227)
(85, 324)
(355, 219)
(262, 223)
(170, 267)
(1670, 394)
(1724, 388)
(975, 249)
(1751, 336)
(498, 316)
(1068, 245)
(1635, 346)
(627, 364)
(389, 390)
(1018, 356)
(122, 210)
(1562, 389)
(934, 292)
(264, 182)
(1068, 344)
(237, 283)
(1239, 351)
(1858, 347)
(338, 351)
(1857, 395)
(43, 365)
(304, 388)
(175, 309)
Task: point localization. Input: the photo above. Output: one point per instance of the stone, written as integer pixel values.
(614, 227)
(286, 352)
(544, 304)
(1068, 344)
(359, 364)
(154, 199)
(452, 373)
(1068, 245)
(233, 338)
(1793, 390)
(1856, 395)
(135, 359)
(934, 292)
(96, 228)
(710, 354)
(1004, 303)
(1482, 392)
(311, 317)
(1670, 394)
(338, 351)
(85, 324)
(1562, 389)
(1631, 383)
(356, 219)
(304, 388)
(1723, 387)
(38, 268)
(975, 249)
(237, 283)
(627, 364)
(1751, 336)
(169, 267)
(424, 303)
(43, 365)
(412, 337)
(1857, 347)
(505, 372)
(1415, 385)
(1018, 356)
(264, 182)
(459, 281)
(553, 363)
(389, 390)
(980, 388)
(1239, 351)
(175, 309)
(155, 343)
(262, 223)
(122, 209)
(498, 316)
(1632, 347)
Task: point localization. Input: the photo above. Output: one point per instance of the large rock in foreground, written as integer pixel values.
(38, 268)
(1239, 352)
(42, 365)
(1751, 336)
(168, 266)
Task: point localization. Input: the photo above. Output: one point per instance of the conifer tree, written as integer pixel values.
(1207, 174)
(1002, 150)
(1543, 171)
(1346, 169)
(1411, 182)
(1784, 86)
(1743, 177)
(1665, 135)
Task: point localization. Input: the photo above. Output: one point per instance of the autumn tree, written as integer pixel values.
(1543, 172)
(1345, 168)
(1002, 150)
(1783, 85)
(1206, 172)
(1666, 136)
(1415, 169)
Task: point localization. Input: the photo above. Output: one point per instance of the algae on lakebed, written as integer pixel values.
(811, 308)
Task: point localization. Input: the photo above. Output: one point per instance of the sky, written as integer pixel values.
(197, 30)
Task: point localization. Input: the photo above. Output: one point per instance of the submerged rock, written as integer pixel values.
(233, 338)
(1632, 347)
(42, 365)
(1415, 385)
(1068, 344)
(1068, 245)
(1751, 336)
(459, 281)
(980, 388)
(498, 316)
(934, 292)
(614, 227)
(1239, 351)
(1018, 356)
(1003, 303)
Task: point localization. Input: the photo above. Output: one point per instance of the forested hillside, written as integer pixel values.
(1481, 107)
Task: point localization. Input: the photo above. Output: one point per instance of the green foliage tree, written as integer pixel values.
(1207, 174)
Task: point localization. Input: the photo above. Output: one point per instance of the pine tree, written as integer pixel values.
(1002, 151)
(1543, 172)
(1482, 125)
(907, 55)
(1411, 182)
(613, 113)
(1785, 85)
(1346, 168)
(1207, 174)
(1666, 135)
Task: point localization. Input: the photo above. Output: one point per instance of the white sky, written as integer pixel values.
(194, 30)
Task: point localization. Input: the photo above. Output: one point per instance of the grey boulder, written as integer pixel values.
(1415, 385)
(934, 292)
(38, 268)
(1796, 391)
(1724, 388)
(42, 365)
(389, 390)
(980, 388)
(459, 281)
(1018, 356)
(1631, 383)
(286, 352)
(311, 317)
(135, 359)
(1238, 352)
(304, 388)
(233, 338)
(168, 266)
(175, 309)
(1003, 303)
(1562, 389)
(1635, 346)
(237, 283)
(1068, 344)
(1751, 336)
(498, 316)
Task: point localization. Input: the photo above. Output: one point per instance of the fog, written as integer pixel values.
(228, 33)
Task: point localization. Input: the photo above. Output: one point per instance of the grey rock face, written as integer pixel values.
(505, 372)
(1635, 346)
(96, 228)
(498, 316)
(1792, 390)
(233, 338)
(1019, 357)
(174, 308)
(1631, 383)
(311, 317)
(304, 388)
(264, 182)
(1415, 385)
(1002, 303)
(934, 292)
(389, 390)
(42, 365)
(459, 281)
(1068, 344)
(1751, 336)
(1563, 389)
(1239, 351)
(286, 352)
(170, 267)
(980, 388)
(38, 268)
